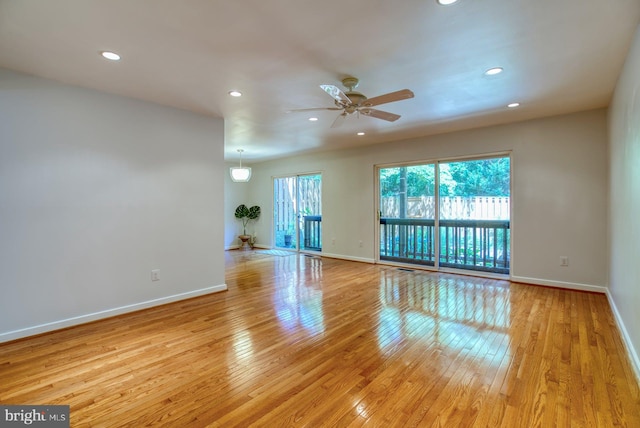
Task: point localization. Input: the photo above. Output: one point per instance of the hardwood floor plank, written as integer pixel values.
(310, 341)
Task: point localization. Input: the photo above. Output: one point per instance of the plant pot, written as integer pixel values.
(287, 240)
(245, 241)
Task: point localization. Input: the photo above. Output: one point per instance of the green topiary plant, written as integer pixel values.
(247, 214)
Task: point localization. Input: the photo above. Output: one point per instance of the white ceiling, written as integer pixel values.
(559, 56)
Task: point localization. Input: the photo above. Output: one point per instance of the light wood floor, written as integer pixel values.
(301, 341)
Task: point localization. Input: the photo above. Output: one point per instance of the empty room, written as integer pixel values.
(322, 214)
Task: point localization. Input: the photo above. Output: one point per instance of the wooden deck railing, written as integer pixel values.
(312, 232)
(464, 244)
(407, 240)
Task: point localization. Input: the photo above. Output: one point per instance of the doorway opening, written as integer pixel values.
(297, 217)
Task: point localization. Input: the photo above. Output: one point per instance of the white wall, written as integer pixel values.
(559, 193)
(95, 191)
(624, 160)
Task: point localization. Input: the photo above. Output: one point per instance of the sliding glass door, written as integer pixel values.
(407, 214)
(298, 212)
(448, 214)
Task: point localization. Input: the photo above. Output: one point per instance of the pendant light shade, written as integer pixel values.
(239, 173)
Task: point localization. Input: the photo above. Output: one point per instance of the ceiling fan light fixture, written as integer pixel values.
(360, 133)
(351, 102)
(313, 119)
(240, 174)
(235, 93)
(446, 2)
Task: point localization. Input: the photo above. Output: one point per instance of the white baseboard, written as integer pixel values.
(349, 258)
(560, 284)
(82, 319)
(631, 351)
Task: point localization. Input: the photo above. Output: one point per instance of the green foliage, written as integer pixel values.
(247, 214)
(242, 211)
(420, 180)
(484, 177)
(254, 212)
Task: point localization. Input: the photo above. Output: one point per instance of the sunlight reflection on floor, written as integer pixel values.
(450, 314)
(298, 302)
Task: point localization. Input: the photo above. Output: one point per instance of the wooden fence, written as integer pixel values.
(451, 207)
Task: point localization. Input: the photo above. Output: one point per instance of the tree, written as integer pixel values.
(483, 177)
(420, 180)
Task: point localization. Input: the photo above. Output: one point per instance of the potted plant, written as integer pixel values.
(288, 236)
(245, 214)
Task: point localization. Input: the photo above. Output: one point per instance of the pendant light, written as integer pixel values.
(239, 173)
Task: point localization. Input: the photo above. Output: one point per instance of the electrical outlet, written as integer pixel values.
(333, 241)
(360, 244)
(564, 261)
(155, 275)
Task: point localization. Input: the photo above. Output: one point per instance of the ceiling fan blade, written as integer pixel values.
(339, 120)
(336, 94)
(379, 114)
(403, 94)
(312, 109)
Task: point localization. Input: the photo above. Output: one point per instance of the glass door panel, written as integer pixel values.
(310, 212)
(474, 214)
(285, 200)
(407, 214)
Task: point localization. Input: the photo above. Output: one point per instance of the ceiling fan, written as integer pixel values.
(354, 102)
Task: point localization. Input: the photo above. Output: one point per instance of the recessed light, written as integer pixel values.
(513, 105)
(313, 119)
(493, 71)
(446, 2)
(361, 133)
(110, 55)
(235, 93)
